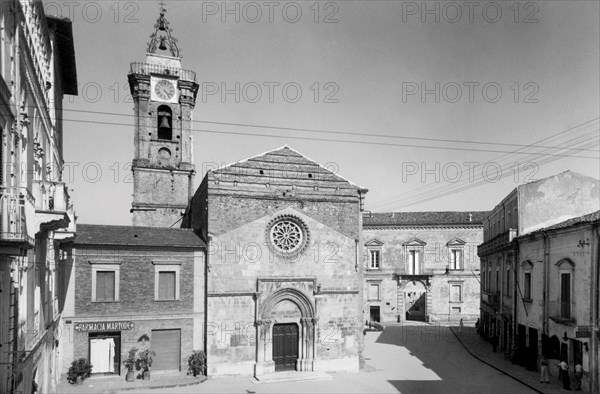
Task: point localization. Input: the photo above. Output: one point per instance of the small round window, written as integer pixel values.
(288, 234)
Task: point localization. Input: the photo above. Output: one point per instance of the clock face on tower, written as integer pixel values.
(164, 90)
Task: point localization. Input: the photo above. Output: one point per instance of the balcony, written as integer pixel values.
(17, 214)
(499, 242)
(491, 299)
(51, 204)
(148, 69)
(561, 311)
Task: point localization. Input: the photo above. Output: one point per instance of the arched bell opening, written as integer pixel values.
(165, 122)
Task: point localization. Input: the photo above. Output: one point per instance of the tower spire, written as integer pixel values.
(161, 38)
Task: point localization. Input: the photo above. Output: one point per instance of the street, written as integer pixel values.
(415, 358)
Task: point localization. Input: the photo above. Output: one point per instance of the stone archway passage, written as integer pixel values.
(415, 296)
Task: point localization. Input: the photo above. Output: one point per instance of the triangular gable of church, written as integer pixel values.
(283, 165)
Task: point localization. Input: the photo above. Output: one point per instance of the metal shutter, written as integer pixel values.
(167, 345)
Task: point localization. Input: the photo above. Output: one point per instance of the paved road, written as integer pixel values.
(406, 359)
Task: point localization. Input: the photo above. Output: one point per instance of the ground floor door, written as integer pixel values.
(285, 346)
(105, 352)
(167, 346)
(533, 349)
(375, 313)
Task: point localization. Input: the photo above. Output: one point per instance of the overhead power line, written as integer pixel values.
(339, 140)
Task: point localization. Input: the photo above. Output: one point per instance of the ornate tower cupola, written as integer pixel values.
(164, 95)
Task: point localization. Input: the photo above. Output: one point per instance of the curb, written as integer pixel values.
(493, 366)
(164, 386)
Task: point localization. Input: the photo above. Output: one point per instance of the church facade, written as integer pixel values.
(284, 269)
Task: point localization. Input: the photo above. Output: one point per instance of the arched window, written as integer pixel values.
(164, 123)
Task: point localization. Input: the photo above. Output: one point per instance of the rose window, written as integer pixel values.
(288, 234)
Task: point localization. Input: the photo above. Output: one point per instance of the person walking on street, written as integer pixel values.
(564, 372)
(578, 375)
(460, 327)
(544, 371)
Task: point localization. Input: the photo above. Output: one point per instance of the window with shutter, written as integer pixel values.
(166, 285)
(105, 285)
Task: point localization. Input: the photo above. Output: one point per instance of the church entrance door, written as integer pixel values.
(285, 346)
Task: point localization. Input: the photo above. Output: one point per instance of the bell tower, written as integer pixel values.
(164, 95)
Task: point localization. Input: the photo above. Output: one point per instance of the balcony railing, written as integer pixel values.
(498, 241)
(147, 69)
(561, 310)
(51, 196)
(492, 299)
(16, 215)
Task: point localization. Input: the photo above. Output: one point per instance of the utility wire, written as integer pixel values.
(335, 140)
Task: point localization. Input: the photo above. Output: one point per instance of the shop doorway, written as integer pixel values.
(105, 352)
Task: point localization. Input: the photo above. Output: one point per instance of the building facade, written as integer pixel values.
(284, 267)
(133, 286)
(528, 208)
(558, 270)
(421, 266)
(37, 68)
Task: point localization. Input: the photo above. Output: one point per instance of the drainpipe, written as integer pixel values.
(515, 314)
(593, 342)
(545, 263)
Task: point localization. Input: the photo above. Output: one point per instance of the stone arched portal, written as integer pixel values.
(285, 306)
(415, 299)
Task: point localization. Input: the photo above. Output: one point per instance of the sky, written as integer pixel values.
(431, 106)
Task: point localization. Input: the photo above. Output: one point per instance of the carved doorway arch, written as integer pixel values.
(285, 306)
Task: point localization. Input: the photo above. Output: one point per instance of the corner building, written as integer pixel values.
(284, 271)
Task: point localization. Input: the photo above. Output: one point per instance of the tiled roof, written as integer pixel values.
(99, 234)
(590, 217)
(283, 164)
(423, 218)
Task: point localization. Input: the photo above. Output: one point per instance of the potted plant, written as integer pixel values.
(129, 363)
(197, 363)
(79, 370)
(144, 362)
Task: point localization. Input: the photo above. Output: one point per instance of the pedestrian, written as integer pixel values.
(544, 370)
(460, 326)
(578, 375)
(564, 373)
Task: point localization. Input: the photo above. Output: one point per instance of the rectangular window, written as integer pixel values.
(105, 285)
(413, 262)
(497, 282)
(565, 296)
(374, 291)
(456, 259)
(374, 259)
(527, 285)
(455, 293)
(455, 310)
(166, 281)
(105, 281)
(166, 285)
